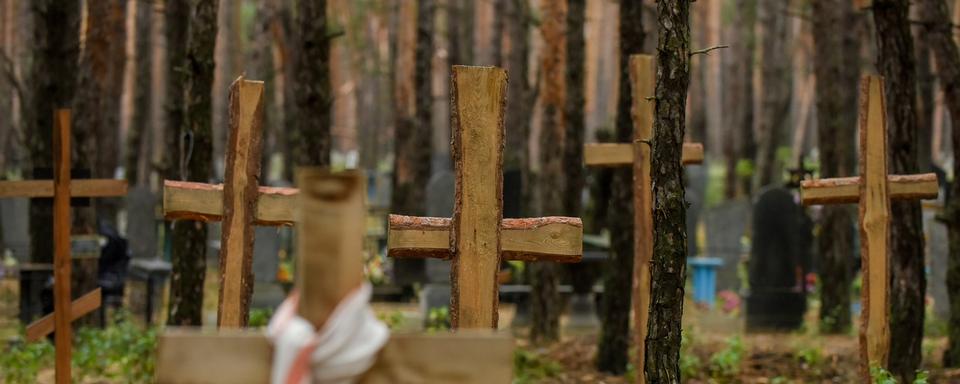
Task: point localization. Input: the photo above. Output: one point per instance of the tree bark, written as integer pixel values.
(775, 90)
(746, 146)
(56, 26)
(836, 94)
(615, 304)
(668, 266)
(896, 63)
(196, 148)
(521, 95)
(574, 116)
(313, 97)
(937, 25)
(545, 300)
(138, 148)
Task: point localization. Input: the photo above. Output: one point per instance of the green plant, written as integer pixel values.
(438, 319)
(259, 317)
(122, 352)
(879, 375)
(21, 362)
(779, 380)
(531, 367)
(690, 364)
(392, 319)
(726, 362)
(811, 357)
(923, 377)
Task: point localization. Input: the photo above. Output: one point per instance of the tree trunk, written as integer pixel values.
(925, 95)
(615, 306)
(461, 31)
(574, 118)
(139, 128)
(936, 21)
(520, 94)
(895, 62)
(775, 90)
(836, 93)
(190, 237)
(313, 97)
(56, 25)
(746, 146)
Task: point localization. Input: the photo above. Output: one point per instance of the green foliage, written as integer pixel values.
(20, 362)
(811, 357)
(531, 367)
(690, 364)
(259, 317)
(392, 319)
(779, 380)
(879, 375)
(123, 352)
(745, 168)
(726, 362)
(923, 377)
(438, 319)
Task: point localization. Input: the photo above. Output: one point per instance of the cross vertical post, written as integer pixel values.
(873, 190)
(61, 244)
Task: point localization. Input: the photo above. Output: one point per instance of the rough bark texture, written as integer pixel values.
(461, 31)
(138, 136)
(746, 147)
(545, 300)
(520, 94)
(925, 94)
(312, 95)
(576, 71)
(668, 266)
(615, 304)
(56, 25)
(775, 87)
(837, 75)
(196, 148)
(97, 103)
(936, 18)
(895, 62)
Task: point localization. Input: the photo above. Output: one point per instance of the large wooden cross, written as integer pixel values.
(62, 188)
(330, 228)
(637, 155)
(239, 203)
(477, 235)
(873, 190)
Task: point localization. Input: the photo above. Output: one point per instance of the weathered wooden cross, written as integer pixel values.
(873, 190)
(477, 236)
(330, 224)
(637, 154)
(239, 202)
(61, 188)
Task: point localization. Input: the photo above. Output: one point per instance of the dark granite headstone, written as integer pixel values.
(938, 251)
(726, 226)
(14, 221)
(779, 259)
(440, 195)
(142, 222)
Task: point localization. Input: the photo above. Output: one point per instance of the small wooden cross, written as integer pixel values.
(637, 154)
(873, 190)
(62, 188)
(477, 236)
(330, 264)
(240, 203)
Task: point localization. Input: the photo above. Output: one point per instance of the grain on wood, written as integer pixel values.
(846, 190)
(185, 200)
(61, 244)
(78, 308)
(617, 154)
(78, 188)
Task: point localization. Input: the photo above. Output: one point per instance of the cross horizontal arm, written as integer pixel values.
(204, 202)
(78, 188)
(558, 239)
(79, 307)
(613, 154)
(236, 356)
(846, 190)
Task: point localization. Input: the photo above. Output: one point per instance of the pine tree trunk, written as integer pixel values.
(837, 76)
(574, 118)
(190, 237)
(616, 304)
(775, 90)
(55, 43)
(896, 63)
(139, 130)
(520, 94)
(313, 98)
(936, 21)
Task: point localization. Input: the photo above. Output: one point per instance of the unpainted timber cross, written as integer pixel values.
(239, 203)
(62, 188)
(330, 224)
(638, 154)
(873, 190)
(477, 236)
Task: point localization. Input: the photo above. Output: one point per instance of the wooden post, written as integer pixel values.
(477, 237)
(638, 155)
(873, 190)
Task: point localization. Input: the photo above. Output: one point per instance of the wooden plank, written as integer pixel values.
(642, 79)
(331, 223)
(78, 188)
(61, 244)
(478, 98)
(78, 308)
(184, 200)
(874, 225)
(616, 154)
(556, 239)
(846, 190)
(240, 202)
(237, 356)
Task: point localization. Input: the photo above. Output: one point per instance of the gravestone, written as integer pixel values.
(267, 291)
(436, 292)
(938, 250)
(14, 219)
(779, 259)
(141, 204)
(726, 225)
(696, 178)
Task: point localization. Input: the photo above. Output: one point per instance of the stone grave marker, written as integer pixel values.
(14, 221)
(725, 226)
(142, 222)
(938, 251)
(436, 291)
(267, 292)
(780, 257)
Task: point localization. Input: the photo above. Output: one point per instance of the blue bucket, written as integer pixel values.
(705, 279)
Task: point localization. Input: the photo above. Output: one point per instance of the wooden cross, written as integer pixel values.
(330, 264)
(873, 190)
(62, 188)
(239, 203)
(477, 235)
(637, 154)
